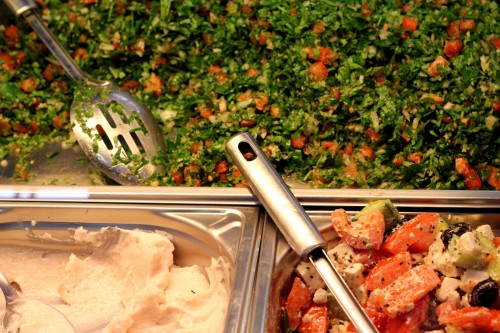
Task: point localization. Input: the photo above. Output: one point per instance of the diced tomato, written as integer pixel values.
(398, 297)
(415, 235)
(326, 55)
(495, 42)
(221, 166)
(388, 270)
(466, 25)
(409, 23)
(315, 320)
(365, 233)
(453, 47)
(496, 241)
(298, 301)
(374, 136)
(439, 62)
(317, 71)
(319, 28)
(409, 322)
(298, 142)
(461, 165)
(366, 10)
(367, 151)
(453, 29)
(8, 64)
(472, 179)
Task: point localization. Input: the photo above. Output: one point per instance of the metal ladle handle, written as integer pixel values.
(26, 9)
(279, 201)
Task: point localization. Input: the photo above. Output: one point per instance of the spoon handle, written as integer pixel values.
(26, 8)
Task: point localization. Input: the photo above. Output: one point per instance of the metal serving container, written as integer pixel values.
(199, 232)
(277, 261)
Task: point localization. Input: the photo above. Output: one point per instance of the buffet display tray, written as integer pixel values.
(230, 221)
(277, 261)
(199, 233)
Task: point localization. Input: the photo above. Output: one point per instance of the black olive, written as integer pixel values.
(485, 293)
(455, 229)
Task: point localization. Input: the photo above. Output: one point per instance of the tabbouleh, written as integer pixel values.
(358, 94)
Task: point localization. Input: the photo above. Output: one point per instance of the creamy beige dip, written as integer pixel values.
(128, 283)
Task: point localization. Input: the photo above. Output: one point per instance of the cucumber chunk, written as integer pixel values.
(386, 207)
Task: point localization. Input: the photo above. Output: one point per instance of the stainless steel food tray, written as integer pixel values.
(277, 261)
(199, 232)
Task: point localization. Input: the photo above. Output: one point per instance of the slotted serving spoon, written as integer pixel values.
(118, 134)
(293, 222)
(52, 320)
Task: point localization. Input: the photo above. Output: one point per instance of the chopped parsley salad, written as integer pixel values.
(359, 94)
(415, 274)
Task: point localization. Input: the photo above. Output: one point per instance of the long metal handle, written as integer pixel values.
(280, 203)
(26, 9)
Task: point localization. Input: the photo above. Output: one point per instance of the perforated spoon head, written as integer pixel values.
(119, 135)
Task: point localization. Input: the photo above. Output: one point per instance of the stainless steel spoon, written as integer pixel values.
(119, 135)
(293, 222)
(52, 320)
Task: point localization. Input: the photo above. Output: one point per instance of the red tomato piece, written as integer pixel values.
(439, 62)
(298, 142)
(409, 322)
(399, 297)
(453, 29)
(365, 233)
(298, 301)
(472, 179)
(415, 235)
(317, 71)
(315, 320)
(388, 270)
(466, 25)
(409, 23)
(453, 47)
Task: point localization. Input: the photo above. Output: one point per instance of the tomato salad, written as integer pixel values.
(410, 275)
(357, 94)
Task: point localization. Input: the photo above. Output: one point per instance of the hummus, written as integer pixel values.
(127, 283)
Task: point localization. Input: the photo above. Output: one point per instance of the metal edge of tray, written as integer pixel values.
(243, 196)
(249, 236)
(277, 260)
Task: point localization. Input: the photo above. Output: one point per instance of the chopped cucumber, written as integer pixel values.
(470, 250)
(493, 267)
(386, 207)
